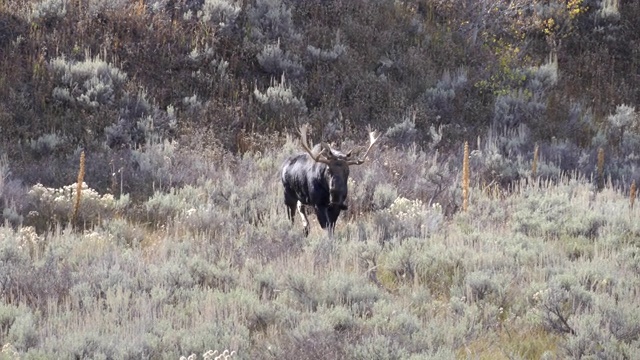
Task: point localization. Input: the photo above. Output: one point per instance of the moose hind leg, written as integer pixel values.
(291, 210)
(305, 220)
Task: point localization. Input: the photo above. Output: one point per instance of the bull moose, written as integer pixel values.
(318, 178)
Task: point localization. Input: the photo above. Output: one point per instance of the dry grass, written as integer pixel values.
(200, 279)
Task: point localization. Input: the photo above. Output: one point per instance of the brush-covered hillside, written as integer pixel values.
(143, 215)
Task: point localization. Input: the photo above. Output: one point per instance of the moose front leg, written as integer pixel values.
(332, 215)
(327, 217)
(305, 221)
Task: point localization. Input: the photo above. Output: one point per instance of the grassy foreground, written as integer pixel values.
(547, 271)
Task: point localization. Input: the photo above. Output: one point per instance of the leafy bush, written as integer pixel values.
(439, 99)
(49, 11)
(51, 205)
(384, 196)
(279, 102)
(90, 84)
(332, 54)
(271, 20)
(46, 144)
(276, 62)
(403, 133)
(222, 13)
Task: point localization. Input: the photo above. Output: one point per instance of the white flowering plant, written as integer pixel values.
(416, 215)
(56, 204)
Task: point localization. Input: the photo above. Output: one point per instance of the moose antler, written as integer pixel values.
(372, 140)
(319, 157)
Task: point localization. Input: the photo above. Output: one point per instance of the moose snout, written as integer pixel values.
(337, 199)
